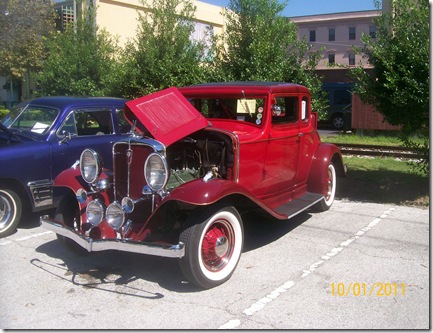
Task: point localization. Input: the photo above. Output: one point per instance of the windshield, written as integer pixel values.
(243, 109)
(35, 119)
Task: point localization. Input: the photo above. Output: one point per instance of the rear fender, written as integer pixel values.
(325, 153)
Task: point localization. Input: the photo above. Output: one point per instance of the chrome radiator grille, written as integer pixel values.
(129, 159)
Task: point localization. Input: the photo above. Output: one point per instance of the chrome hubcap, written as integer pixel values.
(221, 246)
(5, 211)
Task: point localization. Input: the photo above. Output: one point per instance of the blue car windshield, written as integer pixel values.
(35, 119)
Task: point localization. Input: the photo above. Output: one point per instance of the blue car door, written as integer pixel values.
(85, 128)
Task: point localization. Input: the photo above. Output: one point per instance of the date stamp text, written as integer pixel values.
(376, 289)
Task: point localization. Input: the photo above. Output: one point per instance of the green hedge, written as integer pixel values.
(3, 112)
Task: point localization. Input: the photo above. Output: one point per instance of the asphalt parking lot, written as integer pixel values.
(356, 266)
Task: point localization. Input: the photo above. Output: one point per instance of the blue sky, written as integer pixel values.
(313, 7)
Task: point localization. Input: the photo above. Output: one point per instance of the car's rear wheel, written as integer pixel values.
(213, 246)
(330, 189)
(10, 211)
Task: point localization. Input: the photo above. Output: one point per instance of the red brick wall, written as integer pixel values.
(365, 116)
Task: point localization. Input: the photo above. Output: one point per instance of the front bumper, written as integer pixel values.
(91, 245)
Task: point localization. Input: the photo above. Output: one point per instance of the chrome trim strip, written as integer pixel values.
(42, 192)
(161, 250)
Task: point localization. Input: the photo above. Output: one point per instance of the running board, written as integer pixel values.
(298, 205)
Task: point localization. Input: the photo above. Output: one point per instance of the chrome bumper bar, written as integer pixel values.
(91, 245)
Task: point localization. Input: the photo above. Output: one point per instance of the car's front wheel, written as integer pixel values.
(10, 211)
(68, 212)
(213, 246)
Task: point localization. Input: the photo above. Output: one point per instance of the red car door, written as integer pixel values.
(282, 153)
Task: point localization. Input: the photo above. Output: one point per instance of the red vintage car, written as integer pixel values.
(197, 159)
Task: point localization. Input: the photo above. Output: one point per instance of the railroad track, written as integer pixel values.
(378, 151)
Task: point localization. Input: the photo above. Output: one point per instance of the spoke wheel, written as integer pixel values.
(213, 246)
(10, 211)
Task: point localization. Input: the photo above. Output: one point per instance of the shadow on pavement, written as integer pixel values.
(383, 186)
(115, 271)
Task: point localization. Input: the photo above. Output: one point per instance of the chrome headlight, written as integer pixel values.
(95, 212)
(156, 171)
(90, 165)
(115, 216)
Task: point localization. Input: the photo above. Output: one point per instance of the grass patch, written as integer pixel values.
(383, 180)
(379, 140)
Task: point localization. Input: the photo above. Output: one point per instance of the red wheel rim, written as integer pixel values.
(217, 245)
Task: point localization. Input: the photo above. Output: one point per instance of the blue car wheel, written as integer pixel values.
(10, 211)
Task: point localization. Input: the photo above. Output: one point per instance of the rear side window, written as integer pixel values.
(305, 109)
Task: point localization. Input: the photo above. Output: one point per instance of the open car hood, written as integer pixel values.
(166, 115)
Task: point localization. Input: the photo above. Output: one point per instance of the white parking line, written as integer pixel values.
(269, 298)
(259, 305)
(7, 242)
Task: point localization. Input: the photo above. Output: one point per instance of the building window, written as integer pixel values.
(373, 31)
(352, 33)
(312, 35)
(203, 34)
(331, 58)
(331, 35)
(351, 59)
(65, 15)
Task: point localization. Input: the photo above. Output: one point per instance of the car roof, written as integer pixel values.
(62, 102)
(258, 86)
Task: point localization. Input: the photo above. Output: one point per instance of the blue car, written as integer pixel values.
(44, 136)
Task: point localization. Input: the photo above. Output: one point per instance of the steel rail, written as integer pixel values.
(378, 151)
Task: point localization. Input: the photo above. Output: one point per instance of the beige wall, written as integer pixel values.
(120, 17)
(341, 22)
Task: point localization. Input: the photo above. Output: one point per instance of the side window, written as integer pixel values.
(342, 97)
(124, 126)
(89, 122)
(69, 126)
(285, 110)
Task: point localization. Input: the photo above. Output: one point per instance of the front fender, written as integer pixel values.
(325, 153)
(200, 193)
(71, 178)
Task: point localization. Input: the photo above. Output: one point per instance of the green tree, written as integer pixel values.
(398, 86)
(162, 54)
(259, 44)
(79, 60)
(23, 24)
